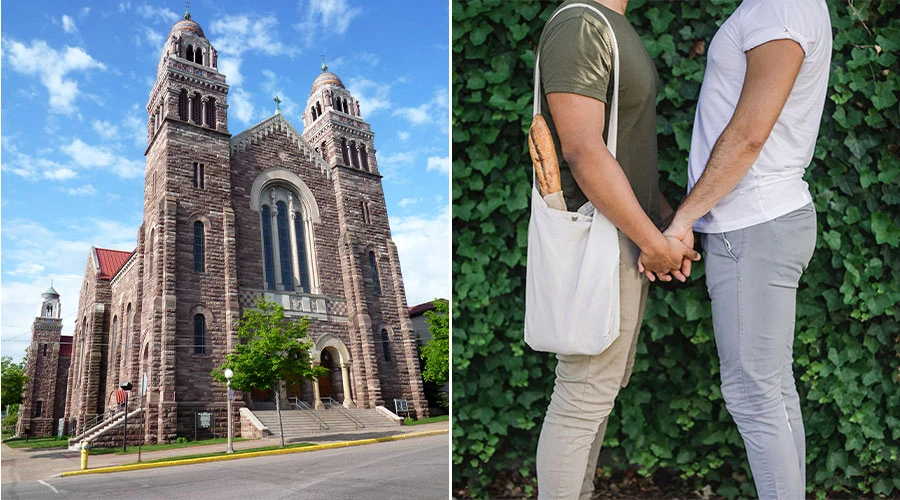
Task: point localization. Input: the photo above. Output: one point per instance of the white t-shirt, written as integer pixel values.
(774, 184)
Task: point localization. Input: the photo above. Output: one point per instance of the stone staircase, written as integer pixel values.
(335, 420)
(96, 433)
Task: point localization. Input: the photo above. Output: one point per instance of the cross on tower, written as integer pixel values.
(277, 104)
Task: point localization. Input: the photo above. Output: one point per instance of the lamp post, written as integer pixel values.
(228, 374)
(126, 386)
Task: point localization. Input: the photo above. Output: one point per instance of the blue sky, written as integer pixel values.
(75, 81)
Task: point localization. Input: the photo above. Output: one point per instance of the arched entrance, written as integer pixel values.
(331, 353)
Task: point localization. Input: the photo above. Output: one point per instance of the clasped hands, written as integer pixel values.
(673, 258)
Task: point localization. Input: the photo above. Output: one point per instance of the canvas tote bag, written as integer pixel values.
(572, 276)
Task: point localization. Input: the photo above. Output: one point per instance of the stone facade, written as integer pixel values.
(298, 218)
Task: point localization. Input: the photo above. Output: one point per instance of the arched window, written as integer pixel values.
(151, 251)
(190, 53)
(114, 340)
(301, 252)
(354, 155)
(129, 318)
(183, 105)
(363, 157)
(199, 243)
(199, 333)
(344, 107)
(385, 345)
(198, 56)
(196, 108)
(268, 252)
(324, 151)
(284, 246)
(287, 240)
(211, 112)
(344, 153)
(312, 112)
(373, 268)
(319, 108)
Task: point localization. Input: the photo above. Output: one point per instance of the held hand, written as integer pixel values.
(685, 234)
(666, 259)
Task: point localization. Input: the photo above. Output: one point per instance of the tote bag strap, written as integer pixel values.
(613, 129)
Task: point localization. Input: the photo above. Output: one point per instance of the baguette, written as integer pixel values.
(546, 165)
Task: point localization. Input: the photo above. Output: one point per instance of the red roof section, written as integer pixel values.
(111, 261)
(421, 308)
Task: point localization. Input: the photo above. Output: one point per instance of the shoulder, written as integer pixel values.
(573, 22)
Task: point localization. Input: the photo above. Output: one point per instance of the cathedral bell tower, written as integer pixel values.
(185, 264)
(37, 409)
(373, 284)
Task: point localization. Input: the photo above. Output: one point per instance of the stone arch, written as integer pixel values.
(332, 343)
(274, 175)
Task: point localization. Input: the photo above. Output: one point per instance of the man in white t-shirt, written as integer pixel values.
(754, 133)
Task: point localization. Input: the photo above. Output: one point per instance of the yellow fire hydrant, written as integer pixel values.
(85, 446)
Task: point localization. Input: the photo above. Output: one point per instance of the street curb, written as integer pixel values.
(328, 446)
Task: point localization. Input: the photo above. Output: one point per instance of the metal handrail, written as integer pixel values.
(343, 411)
(104, 418)
(303, 405)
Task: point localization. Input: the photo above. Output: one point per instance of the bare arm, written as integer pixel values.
(771, 70)
(579, 122)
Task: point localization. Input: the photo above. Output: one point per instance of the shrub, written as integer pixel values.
(672, 415)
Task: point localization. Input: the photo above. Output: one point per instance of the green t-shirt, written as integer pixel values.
(576, 56)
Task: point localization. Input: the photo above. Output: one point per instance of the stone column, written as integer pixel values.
(276, 248)
(345, 379)
(317, 400)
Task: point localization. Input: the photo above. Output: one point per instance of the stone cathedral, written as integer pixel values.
(298, 218)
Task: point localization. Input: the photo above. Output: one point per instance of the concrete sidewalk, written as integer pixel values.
(23, 464)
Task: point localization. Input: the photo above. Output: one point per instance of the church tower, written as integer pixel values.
(380, 329)
(187, 238)
(37, 411)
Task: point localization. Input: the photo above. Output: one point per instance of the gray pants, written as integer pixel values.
(584, 393)
(752, 276)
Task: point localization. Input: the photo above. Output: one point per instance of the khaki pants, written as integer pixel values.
(584, 394)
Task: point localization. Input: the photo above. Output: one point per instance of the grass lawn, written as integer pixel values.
(37, 443)
(441, 418)
(157, 447)
(218, 453)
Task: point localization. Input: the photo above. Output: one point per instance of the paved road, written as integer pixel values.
(413, 468)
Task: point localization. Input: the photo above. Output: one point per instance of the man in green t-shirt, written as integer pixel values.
(576, 58)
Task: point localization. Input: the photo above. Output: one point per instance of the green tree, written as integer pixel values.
(273, 349)
(436, 352)
(12, 381)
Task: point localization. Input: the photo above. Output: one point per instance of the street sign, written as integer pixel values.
(205, 420)
(230, 394)
(143, 384)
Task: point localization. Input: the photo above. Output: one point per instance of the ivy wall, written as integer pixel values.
(672, 415)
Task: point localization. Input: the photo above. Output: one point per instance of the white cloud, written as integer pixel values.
(86, 190)
(406, 202)
(423, 242)
(231, 68)
(62, 174)
(333, 16)
(89, 156)
(403, 135)
(33, 255)
(273, 87)
(238, 34)
(158, 14)
(439, 164)
(106, 129)
(135, 125)
(372, 96)
(433, 111)
(123, 6)
(68, 24)
(32, 60)
(417, 115)
(33, 167)
(401, 157)
(84, 12)
(149, 37)
(241, 106)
